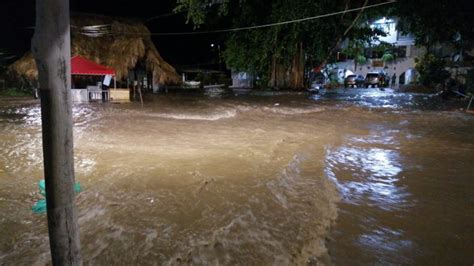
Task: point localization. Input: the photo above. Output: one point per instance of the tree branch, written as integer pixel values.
(341, 38)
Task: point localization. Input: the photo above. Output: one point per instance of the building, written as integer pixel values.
(402, 67)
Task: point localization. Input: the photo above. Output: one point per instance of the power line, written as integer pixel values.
(101, 30)
(163, 16)
(273, 24)
(98, 30)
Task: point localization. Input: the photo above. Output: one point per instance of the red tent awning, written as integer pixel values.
(82, 66)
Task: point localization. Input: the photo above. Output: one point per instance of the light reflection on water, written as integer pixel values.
(370, 176)
(385, 178)
(386, 99)
(365, 174)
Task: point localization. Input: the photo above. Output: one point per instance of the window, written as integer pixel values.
(400, 51)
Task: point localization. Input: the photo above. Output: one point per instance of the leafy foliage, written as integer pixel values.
(432, 70)
(196, 9)
(438, 21)
(470, 81)
(387, 57)
(431, 22)
(255, 50)
(355, 49)
(14, 92)
(435, 24)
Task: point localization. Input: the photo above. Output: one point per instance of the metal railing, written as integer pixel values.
(99, 95)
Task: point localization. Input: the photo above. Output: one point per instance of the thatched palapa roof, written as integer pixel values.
(119, 44)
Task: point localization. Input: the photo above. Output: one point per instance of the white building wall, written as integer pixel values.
(397, 67)
(400, 67)
(79, 95)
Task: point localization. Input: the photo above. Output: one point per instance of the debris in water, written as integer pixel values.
(204, 184)
(40, 205)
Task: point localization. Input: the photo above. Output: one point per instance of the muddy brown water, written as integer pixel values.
(354, 177)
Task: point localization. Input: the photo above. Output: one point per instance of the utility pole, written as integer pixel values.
(51, 47)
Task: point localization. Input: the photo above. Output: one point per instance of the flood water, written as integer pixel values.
(345, 178)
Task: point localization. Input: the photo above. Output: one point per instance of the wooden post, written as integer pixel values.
(52, 51)
(134, 91)
(140, 92)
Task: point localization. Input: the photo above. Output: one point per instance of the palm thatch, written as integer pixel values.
(120, 44)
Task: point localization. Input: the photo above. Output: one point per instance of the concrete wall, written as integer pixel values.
(242, 80)
(120, 95)
(79, 95)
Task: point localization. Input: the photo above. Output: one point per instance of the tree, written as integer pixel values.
(279, 54)
(51, 49)
(433, 22)
(387, 57)
(432, 70)
(436, 24)
(356, 49)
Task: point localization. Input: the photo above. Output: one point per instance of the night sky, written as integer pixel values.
(17, 16)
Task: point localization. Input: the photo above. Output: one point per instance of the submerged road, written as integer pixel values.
(357, 176)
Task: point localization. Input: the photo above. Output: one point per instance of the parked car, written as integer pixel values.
(375, 79)
(355, 81)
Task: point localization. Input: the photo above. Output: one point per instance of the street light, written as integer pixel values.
(218, 54)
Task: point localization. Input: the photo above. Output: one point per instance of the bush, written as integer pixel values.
(432, 70)
(13, 92)
(470, 81)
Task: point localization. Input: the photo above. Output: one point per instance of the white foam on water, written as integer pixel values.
(291, 230)
(293, 111)
(218, 115)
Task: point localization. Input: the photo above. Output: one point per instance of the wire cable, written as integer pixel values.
(274, 24)
(102, 30)
(163, 16)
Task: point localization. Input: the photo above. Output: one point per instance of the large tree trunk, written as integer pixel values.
(279, 74)
(282, 76)
(273, 76)
(51, 49)
(297, 69)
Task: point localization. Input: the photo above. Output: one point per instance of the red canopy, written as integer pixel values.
(82, 66)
